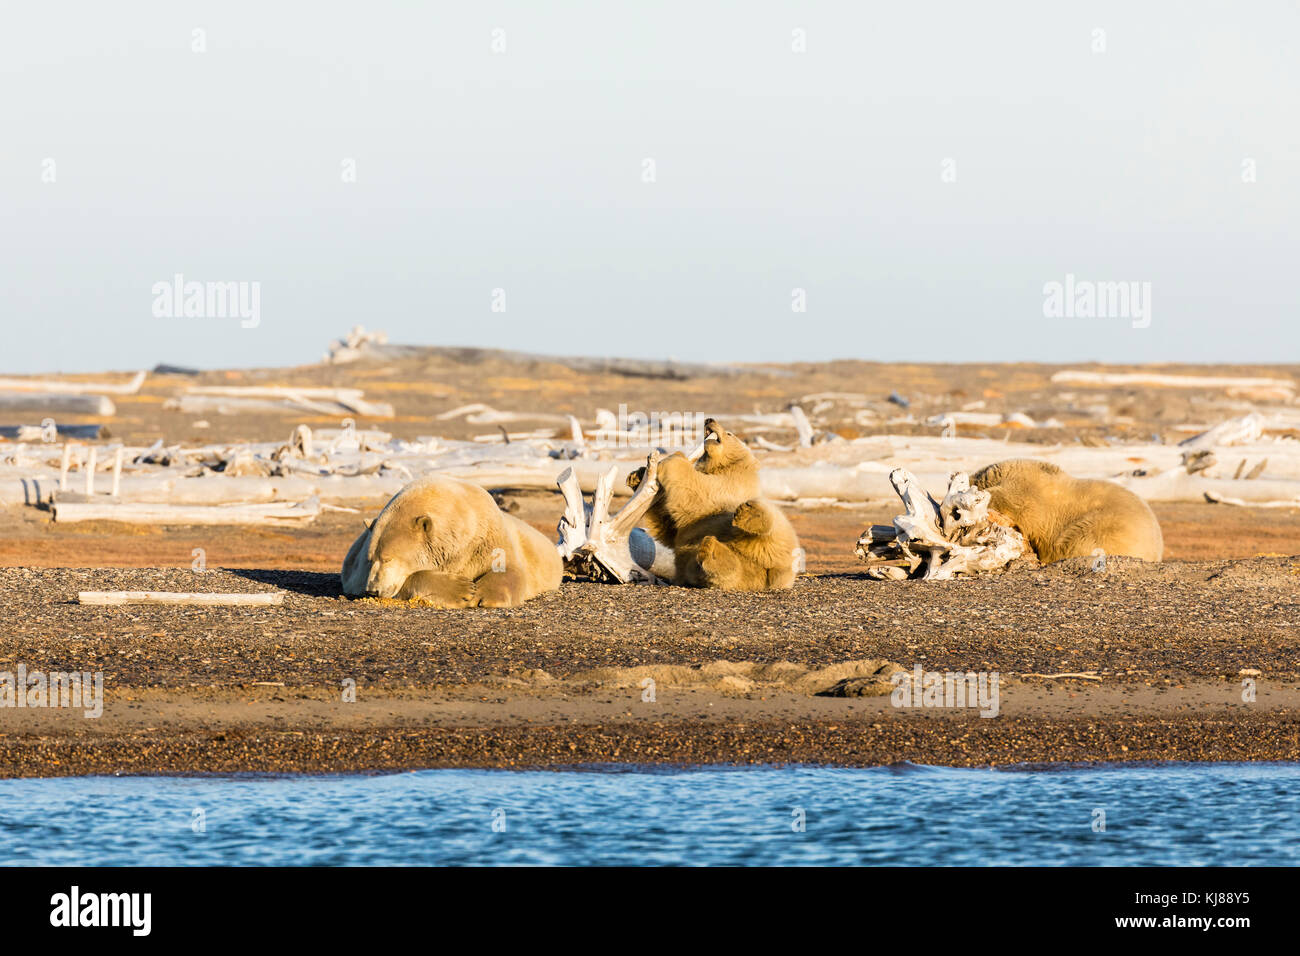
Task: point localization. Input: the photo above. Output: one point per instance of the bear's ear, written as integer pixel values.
(424, 524)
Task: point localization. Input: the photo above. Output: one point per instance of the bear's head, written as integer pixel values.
(396, 553)
(723, 450)
(419, 529)
(1013, 469)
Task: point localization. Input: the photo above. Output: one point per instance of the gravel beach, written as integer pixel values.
(1164, 650)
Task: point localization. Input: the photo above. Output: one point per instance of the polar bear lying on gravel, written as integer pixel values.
(446, 543)
(1063, 517)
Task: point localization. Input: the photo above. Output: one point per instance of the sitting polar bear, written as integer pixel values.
(446, 542)
(1063, 517)
(722, 533)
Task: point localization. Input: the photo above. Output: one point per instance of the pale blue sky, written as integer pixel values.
(775, 170)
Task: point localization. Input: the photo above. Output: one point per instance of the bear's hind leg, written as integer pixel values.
(1089, 535)
(439, 589)
(752, 518)
(502, 589)
(720, 567)
(778, 579)
(1092, 536)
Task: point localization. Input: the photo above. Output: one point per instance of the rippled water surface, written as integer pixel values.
(1186, 814)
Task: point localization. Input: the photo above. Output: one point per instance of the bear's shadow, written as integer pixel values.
(310, 583)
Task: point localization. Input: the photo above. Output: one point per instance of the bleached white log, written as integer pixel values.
(276, 514)
(1177, 485)
(766, 445)
(193, 404)
(771, 420)
(117, 598)
(43, 403)
(573, 523)
(299, 445)
(850, 398)
(1078, 377)
(1234, 431)
(802, 426)
(480, 414)
(117, 470)
(982, 420)
(278, 391)
(1215, 498)
(351, 438)
(600, 502)
(976, 419)
(510, 437)
(73, 388)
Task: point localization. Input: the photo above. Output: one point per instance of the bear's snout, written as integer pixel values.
(385, 579)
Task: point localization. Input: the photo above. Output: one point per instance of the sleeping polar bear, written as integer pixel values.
(1063, 517)
(446, 543)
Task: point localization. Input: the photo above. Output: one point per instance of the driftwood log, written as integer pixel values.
(1280, 387)
(937, 540)
(52, 387)
(106, 509)
(115, 598)
(236, 399)
(56, 403)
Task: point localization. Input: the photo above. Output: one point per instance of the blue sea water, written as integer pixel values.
(1184, 814)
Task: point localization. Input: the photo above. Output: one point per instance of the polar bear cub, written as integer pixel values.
(722, 532)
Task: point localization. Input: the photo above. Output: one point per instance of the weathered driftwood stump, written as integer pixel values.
(611, 548)
(937, 540)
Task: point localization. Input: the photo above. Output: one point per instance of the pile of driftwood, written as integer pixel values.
(610, 548)
(937, 540)
(607, 547)
(1232, 462)
(1252, 459)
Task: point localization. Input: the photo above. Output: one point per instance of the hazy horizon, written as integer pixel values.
(928, 360)
(922, 174)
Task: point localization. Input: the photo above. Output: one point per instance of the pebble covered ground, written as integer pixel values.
(1168, 627)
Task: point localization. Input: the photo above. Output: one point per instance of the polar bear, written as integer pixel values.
(446, 543)
(722, 532)
(1064, 517)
